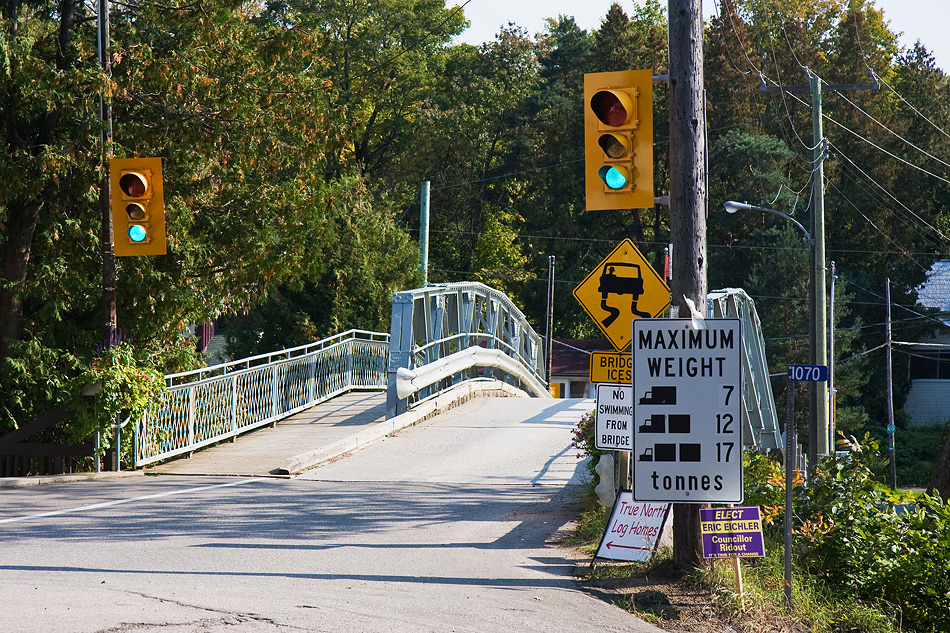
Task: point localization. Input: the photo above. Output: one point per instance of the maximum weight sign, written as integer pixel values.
(687, 431)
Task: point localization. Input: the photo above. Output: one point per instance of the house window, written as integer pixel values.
(930, 365)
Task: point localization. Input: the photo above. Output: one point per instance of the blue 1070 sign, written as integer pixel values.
(808, 373)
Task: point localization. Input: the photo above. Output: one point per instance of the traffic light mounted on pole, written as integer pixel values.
(618, 140)
(138, 206)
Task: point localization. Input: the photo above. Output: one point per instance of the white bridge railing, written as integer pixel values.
(446, 334)
(216, 403)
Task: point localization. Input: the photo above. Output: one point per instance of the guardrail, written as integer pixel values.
(433, 333)
(212, 404)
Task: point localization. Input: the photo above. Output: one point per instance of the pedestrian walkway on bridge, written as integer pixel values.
(266, 451)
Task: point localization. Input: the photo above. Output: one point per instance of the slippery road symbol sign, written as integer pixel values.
(622, 288)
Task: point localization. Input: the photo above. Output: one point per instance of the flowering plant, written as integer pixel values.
(584, 437)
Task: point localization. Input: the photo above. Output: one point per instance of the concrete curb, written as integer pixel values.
(19, 482)
(425, 410)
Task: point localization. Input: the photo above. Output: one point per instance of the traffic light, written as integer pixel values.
(618, 140)
(138, 206)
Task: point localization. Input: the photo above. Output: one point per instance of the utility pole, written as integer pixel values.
(832, 397)
(818, 332)
(688, 204)
(549, 335)
(890, 395)
(105, 200)
(818, 427)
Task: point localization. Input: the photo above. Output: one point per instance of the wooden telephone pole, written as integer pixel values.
(688, 205)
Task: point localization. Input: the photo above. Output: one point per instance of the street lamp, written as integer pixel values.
(732, 207)
(817, 334)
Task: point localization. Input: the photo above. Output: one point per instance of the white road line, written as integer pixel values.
(116, 502)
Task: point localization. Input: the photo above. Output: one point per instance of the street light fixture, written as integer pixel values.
(818, 427)
(732, 207)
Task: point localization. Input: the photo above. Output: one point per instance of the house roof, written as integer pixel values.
(935, 292)
(571, 356)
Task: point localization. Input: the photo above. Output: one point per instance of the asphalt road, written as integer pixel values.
(446, 526)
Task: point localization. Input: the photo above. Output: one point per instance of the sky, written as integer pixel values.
(924, 20)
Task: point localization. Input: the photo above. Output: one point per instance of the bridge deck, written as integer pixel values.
(263, 451)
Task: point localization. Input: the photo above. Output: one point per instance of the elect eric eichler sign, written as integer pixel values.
(732, 532)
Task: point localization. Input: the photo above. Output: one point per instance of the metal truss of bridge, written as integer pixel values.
(446, 334)
(759, 420)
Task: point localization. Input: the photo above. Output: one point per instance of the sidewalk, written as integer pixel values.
(300, 442)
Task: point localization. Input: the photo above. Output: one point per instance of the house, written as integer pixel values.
(928, 401)
(570, 366)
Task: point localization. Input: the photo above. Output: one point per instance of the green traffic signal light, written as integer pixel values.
(614, 176)
(137, 233)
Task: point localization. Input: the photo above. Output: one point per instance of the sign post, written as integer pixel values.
(687, 438)
(809, 373)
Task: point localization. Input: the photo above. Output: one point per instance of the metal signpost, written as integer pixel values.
(687, 440)
(809, 373)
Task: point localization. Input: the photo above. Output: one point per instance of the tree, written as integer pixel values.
(243, 112)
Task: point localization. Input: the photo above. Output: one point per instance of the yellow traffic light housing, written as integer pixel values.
(618, 140)
(138, 206)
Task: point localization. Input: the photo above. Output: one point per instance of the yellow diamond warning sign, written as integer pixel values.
(622, 288)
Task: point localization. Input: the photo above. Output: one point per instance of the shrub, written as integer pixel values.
(583, 440)
(873, 543)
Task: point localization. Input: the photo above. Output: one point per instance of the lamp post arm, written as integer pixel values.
(732, 207)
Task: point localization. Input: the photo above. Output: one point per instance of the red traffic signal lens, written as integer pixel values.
(614, 145)
(609, 107)
(133, 184)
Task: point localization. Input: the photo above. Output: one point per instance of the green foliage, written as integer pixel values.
(765, 487)
(128, 386)
(37, 382)
(916, 454)
(875, 544)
